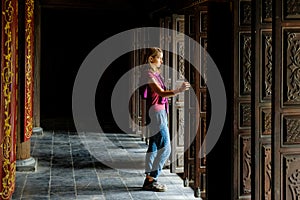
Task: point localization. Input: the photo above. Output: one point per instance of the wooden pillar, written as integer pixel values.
(26, 80)
(37, 70)
(29, 68)
(8, 101)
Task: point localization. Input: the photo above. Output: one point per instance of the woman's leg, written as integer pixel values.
(150, 155)
(162, 144)
(158, 152)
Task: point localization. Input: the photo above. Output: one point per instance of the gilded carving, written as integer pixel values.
(28, 120)
(268, 64)
(246, 159)
(246, 64)
(7, 87)
(293, 67)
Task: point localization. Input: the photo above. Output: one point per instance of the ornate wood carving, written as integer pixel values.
(267, 173)
(245, 13)
(177, 103)
(245, 115)
(291, 129)
(291, 8)
(195, 129)
(203, 22)
(203, 58)
(293, 67)
(180, 137)
(29, 62)
(266, 117)
(286, 98)
(261, 130)
(245, 63)
(267, 10)
(267, 64)
(203, 130)
(203, 102)
(246, 166)
(292, 177)
(242, 53)
(180, 60)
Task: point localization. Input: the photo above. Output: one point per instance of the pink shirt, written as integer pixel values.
(155, 101)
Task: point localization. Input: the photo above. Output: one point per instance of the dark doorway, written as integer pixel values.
(67, 37)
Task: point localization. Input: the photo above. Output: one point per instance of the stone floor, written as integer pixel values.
(85, 166)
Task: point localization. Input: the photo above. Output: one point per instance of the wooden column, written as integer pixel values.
(26, 80)
(8, 101)
(37, 69)
(29, 68)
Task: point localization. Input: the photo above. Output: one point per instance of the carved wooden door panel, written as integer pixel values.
(177, 105)
(242, 99)
(195, 111)
(175, 42)
(166, 45)
(137, 108)
(286, 101)
(138, 105)
(262, 87)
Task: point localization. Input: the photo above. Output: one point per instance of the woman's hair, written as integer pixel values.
(152, 52)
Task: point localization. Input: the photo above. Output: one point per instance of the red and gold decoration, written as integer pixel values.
(8, 101)
(29, 64)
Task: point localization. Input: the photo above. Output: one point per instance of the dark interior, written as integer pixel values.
(69, 32)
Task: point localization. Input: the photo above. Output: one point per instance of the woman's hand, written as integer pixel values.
(184, 86)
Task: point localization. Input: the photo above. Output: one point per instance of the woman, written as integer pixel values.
(156, 95)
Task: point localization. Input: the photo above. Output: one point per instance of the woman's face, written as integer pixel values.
(157, 60)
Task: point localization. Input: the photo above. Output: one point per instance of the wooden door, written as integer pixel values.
(138, 104)
(195, 109)
(242, 99)
(172, 41)
(286, 100)
(177, 104)
(262, 87)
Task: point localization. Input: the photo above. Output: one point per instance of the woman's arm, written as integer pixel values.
(168, 93)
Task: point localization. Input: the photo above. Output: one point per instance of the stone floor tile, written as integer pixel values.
(77, 166)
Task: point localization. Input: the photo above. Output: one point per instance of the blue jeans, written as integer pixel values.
(159, 148)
